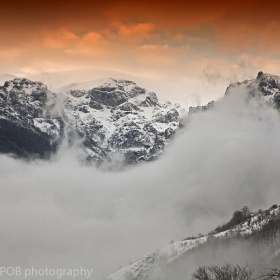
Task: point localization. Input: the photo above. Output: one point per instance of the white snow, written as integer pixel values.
(114, 120)
(47, 126)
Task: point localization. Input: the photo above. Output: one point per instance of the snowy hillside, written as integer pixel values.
(150, 267)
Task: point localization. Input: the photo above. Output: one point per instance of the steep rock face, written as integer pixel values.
(113, 93)
(208, 106)
(119, 117)
(253, 225)
(150, 100)
(25, 130)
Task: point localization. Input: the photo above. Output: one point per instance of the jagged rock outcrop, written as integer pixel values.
(265, 87)
(208, 106)
(25, 128)
(150, 100)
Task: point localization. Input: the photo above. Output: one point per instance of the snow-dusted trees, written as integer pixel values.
(233, 272)
(236, 219)
(270, 274)
(225, 272)
(245, 212)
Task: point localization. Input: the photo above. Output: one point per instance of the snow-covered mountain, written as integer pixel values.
(244, 225)
(117, 116)
(110, 117)
(265, 87)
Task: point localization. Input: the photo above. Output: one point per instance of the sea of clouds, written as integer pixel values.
(62, 214)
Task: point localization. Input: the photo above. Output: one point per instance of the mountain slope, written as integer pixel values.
(251, 226)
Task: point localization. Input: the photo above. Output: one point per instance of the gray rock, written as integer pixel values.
(210, 105)
(151, 100)
(108, 96)
(170, 116)
(265, 86)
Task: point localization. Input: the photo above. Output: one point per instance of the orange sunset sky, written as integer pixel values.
(189, 49)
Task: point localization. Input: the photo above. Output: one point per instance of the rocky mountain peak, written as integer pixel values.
(23, 98)
(108, 115)
(24, 84)
(265, 86)
(111, 92)
(128, 119)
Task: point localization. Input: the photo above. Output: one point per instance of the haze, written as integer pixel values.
(61, 214)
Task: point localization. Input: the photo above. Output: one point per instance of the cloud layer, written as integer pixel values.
(172, 43)
(60, 214)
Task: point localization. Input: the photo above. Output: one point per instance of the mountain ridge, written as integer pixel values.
(114, 116)
(265, 87)
(107, 117)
